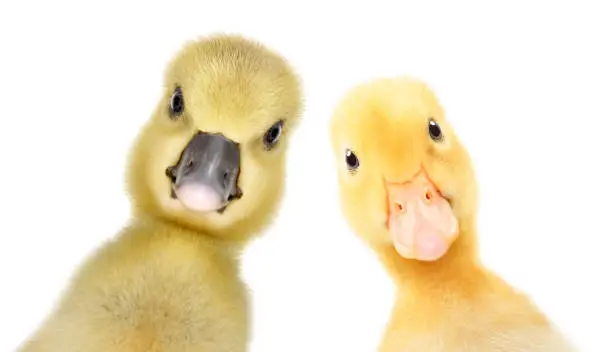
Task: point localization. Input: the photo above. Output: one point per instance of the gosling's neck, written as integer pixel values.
(457, 270)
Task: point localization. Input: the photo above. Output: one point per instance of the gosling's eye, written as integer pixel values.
(176, 103)
(435, 132)
(273, 134)
(352, 162)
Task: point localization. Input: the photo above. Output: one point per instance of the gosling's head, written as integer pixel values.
(404, 178)
(212, 156)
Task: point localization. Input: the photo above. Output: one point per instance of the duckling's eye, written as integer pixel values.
(352, 162)
(435, 132)
(176, 103)
(273, 134)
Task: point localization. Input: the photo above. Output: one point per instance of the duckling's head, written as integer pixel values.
(405, 180)
(212, 156)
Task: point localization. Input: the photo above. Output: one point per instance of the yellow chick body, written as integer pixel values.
(206, 174)
(407, 189)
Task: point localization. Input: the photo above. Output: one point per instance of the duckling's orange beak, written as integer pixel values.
(421, 221)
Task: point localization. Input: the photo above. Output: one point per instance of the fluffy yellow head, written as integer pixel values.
(386, 132)
(224, 85)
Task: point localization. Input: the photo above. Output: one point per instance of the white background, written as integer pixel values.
(528, 88)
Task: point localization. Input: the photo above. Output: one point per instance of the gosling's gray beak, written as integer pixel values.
(206, 176)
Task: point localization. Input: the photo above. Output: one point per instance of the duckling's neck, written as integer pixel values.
(459, 267)
(156, 227)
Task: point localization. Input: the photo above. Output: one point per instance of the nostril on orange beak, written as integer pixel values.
(398, 207)
(428, 196)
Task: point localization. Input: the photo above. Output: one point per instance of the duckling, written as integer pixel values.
(407, 188)
(205, 175)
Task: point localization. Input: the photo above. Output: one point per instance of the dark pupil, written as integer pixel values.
(351, 159)
(177, 103)
(434, 130)
(272, 134)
